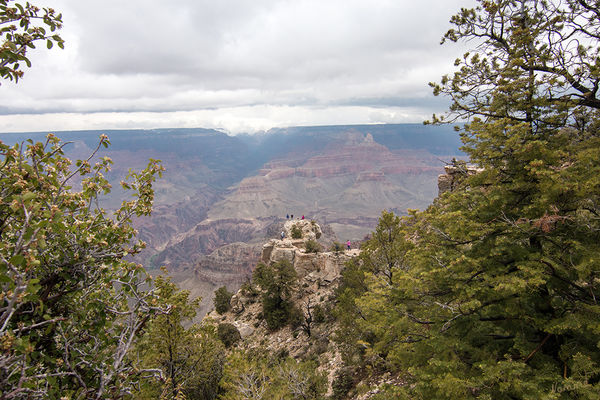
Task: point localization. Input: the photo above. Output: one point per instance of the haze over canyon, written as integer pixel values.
(222, 196)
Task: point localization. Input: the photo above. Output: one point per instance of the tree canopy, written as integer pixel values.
(71, 305)
(492, 292)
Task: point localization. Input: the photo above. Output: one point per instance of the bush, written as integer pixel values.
(311, 246)
(320, 346)
(222, 300)
(296, 232)
(318, 314)
(228, 334)
(342, 383)
(276, 311)
(337, 247)
(277, 281)
(295, 318)
(249, 290)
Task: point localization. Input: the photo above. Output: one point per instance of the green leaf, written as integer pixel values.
(28, 196)
(17, 260)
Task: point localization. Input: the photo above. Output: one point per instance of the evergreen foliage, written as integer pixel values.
(318, 314)
(342, 383)
(277, 282)
(228, 334)
(312, 246)
(492, 291)
(222, 300)
(296, 232)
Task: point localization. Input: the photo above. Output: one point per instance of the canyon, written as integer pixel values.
(221, 196)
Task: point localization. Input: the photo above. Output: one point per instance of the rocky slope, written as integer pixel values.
(226, 264)
(319, 274)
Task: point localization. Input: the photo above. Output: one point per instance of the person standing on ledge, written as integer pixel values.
(348, 244)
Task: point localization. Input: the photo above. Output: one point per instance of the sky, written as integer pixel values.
(234, 65)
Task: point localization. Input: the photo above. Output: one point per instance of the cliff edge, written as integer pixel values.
(318, 276)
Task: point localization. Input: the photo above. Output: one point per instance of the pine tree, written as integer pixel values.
(498, 298)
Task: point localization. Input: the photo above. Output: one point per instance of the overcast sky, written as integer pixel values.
(236, 65)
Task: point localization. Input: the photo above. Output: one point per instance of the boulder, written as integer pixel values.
(244, 329)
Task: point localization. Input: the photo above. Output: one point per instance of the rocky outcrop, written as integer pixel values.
(207, 236)
(319, 274)
(454, 174)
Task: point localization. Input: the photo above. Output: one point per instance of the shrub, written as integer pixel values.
(342, 383)
(249, 290)
(222, 300)
(337, 247)
(320, 346)
(296, 317)
(311, 246)
(228, 334)
(278, 279)
(277, 282)
(318, 314)
(296, 232)
(274, 311)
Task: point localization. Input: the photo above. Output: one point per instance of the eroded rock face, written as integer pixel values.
(352, 178)
(319, 275)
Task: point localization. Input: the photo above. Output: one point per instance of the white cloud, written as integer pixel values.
(235, 64)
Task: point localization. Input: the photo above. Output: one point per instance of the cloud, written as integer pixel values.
(151, 57)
